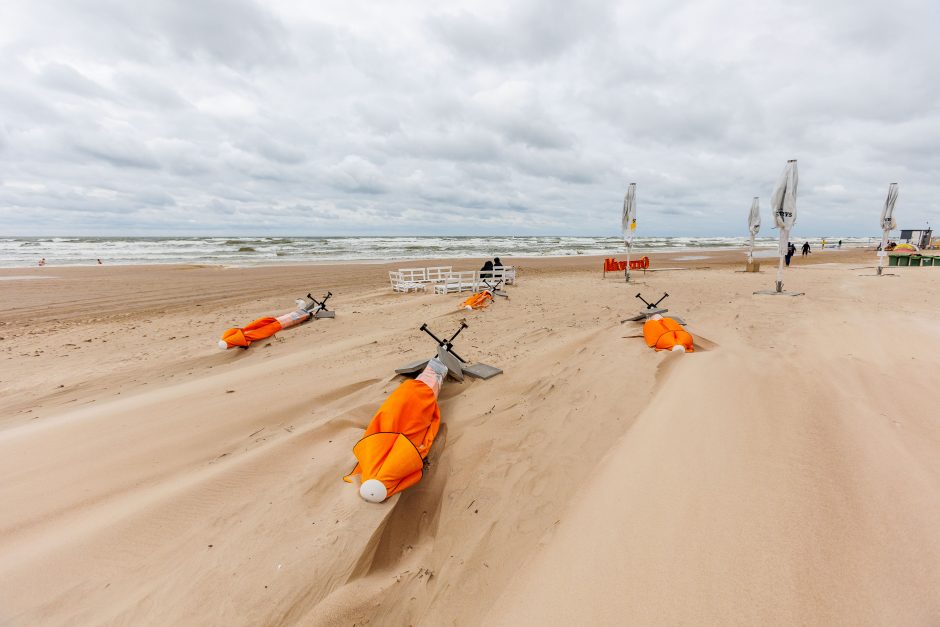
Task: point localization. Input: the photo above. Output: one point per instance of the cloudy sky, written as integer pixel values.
(235, 117)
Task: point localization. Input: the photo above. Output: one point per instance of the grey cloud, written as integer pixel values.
(65, 78)
(149, 89)
(532, 31)
(121, 152)
(485, 117)
(355, 174)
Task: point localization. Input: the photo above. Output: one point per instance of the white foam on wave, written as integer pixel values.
(64, 251)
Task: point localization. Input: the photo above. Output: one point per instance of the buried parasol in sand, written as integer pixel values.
(629, 224)
(783, 206)
(887, 223)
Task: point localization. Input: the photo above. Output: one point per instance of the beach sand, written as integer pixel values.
(787, 472)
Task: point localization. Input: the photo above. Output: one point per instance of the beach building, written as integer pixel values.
(918, 237)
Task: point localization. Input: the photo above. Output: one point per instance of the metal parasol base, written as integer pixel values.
(780, 293)
(457, 368)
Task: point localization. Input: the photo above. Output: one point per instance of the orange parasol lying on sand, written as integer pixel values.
(266, 327)
(484, 297)
(665, 334)
(391, 453)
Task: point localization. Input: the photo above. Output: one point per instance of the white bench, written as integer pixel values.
(506, 274)
(414, 275)
(445, 280)
(468, 281)
(401, 284)
(437, 274)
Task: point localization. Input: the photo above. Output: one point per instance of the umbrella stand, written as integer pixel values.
(783, 250)
(882, 253)
(881, 258)
(626, 270)
(778, 287)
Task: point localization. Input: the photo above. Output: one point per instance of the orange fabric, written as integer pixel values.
(398, 438)
(257, 330)
(478, 301)
(666, 333)
(262, 328)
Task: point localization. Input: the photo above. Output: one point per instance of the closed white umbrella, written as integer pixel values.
(887, 222)
(629, 223)
(753, 225)
(783, 206)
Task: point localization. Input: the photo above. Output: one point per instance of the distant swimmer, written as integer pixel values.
(42, 262)
(99, 262)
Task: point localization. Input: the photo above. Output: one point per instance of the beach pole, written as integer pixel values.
(887, 223)
(882, 253)
(626, 270)
(753, 226)
(784, 241)
(628, 225)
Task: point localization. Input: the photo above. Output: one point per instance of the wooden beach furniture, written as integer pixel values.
(400, 284)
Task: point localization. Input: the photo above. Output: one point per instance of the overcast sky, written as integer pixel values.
(278, 117)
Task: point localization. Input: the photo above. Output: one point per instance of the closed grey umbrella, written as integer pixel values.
(629, 223)
(887, 222)
(783, 206)
(753, 225)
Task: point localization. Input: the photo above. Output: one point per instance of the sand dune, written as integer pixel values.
(787, 472)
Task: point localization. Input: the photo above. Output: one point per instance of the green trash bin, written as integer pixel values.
(915, 260)
(926, 261)
(904, 260)
(893, 260)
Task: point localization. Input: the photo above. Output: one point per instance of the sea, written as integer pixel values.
(18, 252)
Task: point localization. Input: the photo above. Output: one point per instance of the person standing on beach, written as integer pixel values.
(791, 250)
(805, 248)
(840, 243)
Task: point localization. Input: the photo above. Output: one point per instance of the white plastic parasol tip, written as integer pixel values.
(656, 317)
(223, 345)
(373, 491)
(678, 348)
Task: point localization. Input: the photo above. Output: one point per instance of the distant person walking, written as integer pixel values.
(791, 250)
(840, 243)
(805, 248)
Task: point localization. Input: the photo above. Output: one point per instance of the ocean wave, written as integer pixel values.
(25, 251)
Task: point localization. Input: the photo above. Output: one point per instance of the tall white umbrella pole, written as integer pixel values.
(753, 225)
(783, 205)
(629, 224)
(887, 223)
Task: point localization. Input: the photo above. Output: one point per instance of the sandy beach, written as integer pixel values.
(787, 472)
